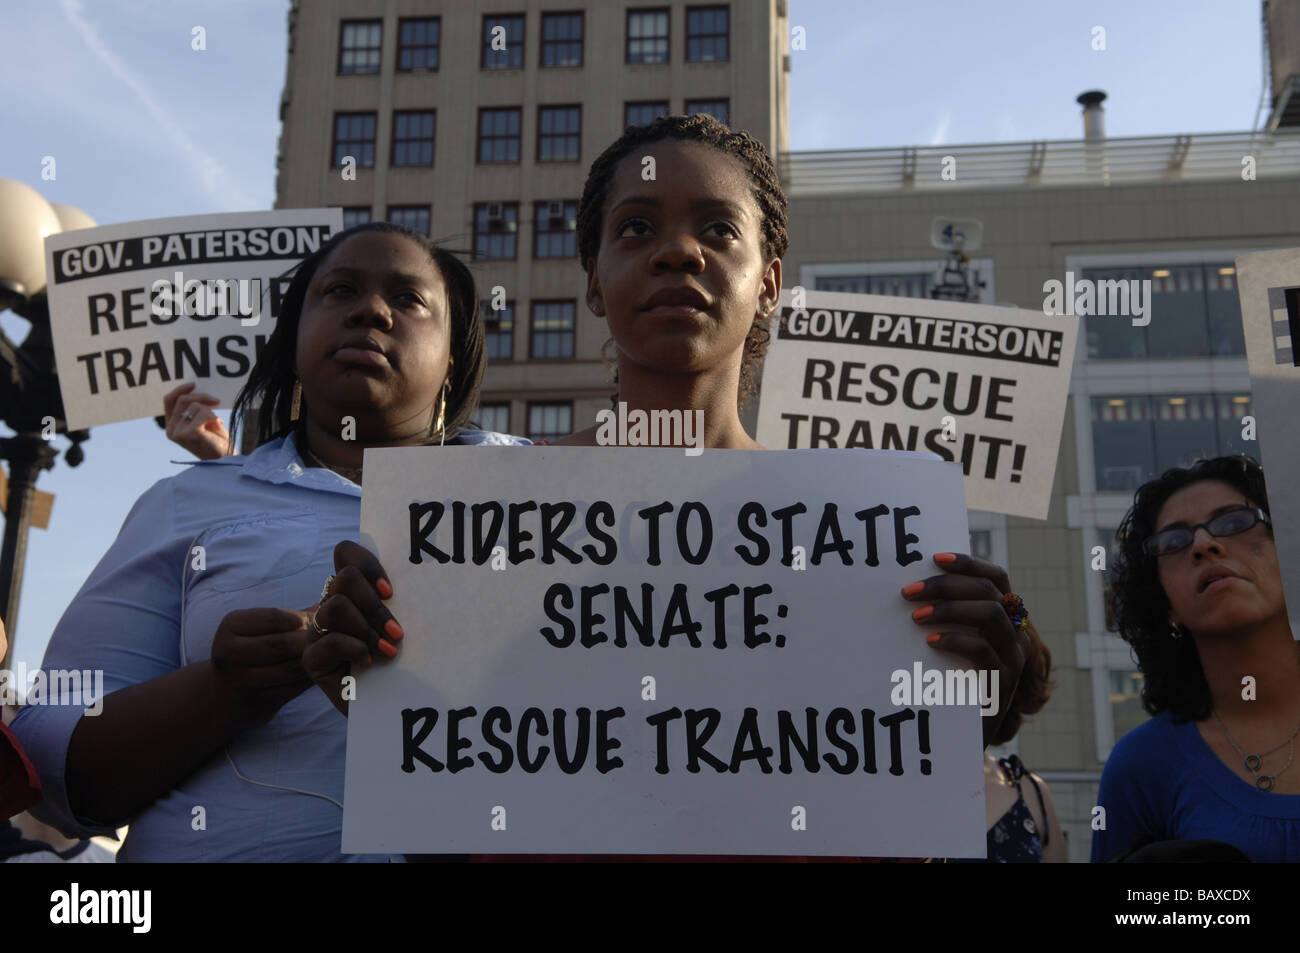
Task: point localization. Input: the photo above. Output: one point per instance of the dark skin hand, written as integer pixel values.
(969, 593)
(359, 627)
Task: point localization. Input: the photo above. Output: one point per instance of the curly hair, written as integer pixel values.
(1032, 691)
(1173, 679)
(766, 190)
(269, 389)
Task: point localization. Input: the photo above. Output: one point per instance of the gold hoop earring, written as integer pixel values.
(296, 407)
(442, 415)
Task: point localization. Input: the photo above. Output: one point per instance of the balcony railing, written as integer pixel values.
(1065, 162)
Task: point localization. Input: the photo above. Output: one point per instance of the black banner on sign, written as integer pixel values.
(1007, 342)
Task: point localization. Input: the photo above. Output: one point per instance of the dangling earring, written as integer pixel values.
(1175, 631)
(442, 415)
(297, 400)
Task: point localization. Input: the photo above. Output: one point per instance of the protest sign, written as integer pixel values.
(138, 307)
(980, 385)
(1268, 284)
(635, 651)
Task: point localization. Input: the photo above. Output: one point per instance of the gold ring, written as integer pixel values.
(325, 593)
(316, 626)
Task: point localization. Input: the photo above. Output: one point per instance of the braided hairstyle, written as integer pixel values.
(1173, 679)
(766, 191)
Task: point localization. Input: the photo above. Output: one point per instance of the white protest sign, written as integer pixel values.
(1268, 284)
(591, 665)
(980, 385)
(138, 307)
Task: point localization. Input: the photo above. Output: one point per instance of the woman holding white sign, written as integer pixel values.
(209, 744)
(681, 230)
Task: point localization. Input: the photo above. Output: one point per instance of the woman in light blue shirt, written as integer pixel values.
(208, 743)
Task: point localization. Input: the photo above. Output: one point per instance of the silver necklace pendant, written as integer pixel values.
(1253, 763)
(1264, 782)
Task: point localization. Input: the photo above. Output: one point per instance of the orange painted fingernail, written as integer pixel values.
(912, 588)
(933, 637)
(385, 590)
(388, 648)
(923, 613)
(394, 630)
(945, 557)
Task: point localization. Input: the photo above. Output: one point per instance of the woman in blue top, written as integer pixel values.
(1198, 594)
(208, 743)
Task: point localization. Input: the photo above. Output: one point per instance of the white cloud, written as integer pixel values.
(214, 180)
(941, 128)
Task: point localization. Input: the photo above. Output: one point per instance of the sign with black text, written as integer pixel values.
(1268, 284)
(979, 385)
(613, 650)
(138, 307)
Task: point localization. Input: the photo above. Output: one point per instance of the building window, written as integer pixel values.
(417, 43)
(555, 230)
(356, 215)
(498, 135)
(413, 137)
(499, 327)
(496, 227)
(1136, 438)
(360, 43)
(647, 36)
(354, 135)
(414, 217)
(559, 133)
(981, 543)
(503, 42)
(914, 285)
(707, 33)
(1126, 701)
(494, 417)
(552, 329)
(1193, 311)
(642, 114)
(549, 421)
(561, 39)
(719, 109)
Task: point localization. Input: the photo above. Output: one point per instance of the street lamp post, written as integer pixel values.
(30, 402)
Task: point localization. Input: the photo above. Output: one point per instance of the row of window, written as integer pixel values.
(502, 41)
(1193, 311)
(496, 227)
(551, 325)
(500, 132)
(1135, 439)
(547, 420)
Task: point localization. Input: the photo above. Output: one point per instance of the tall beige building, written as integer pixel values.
(488, 149)
(476, 122)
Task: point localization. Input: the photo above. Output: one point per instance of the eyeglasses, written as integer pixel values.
(1178, 538)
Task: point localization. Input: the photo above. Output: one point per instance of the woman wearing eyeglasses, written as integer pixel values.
(1198, 594)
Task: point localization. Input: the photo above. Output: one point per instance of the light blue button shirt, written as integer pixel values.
(268, 526)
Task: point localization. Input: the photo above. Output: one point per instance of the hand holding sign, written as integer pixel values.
(191, 423)
(970, 594)
(350, 618)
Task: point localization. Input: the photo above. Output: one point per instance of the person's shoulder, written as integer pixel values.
(489, 438)
(1150, 744)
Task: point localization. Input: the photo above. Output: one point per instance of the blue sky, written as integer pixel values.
(142, 126)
